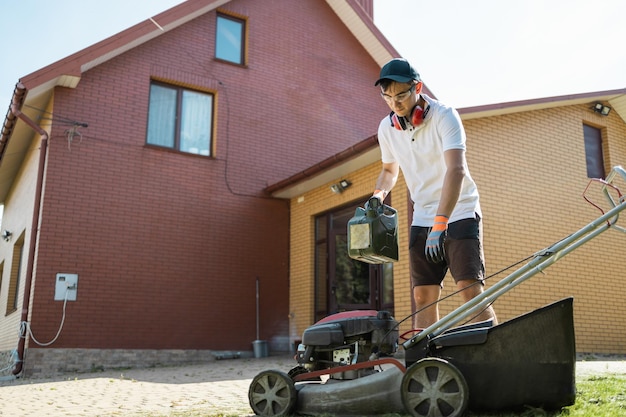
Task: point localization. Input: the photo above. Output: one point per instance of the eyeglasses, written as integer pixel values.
(398, 97)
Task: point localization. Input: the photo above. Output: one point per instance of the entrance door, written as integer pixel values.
(352, 284)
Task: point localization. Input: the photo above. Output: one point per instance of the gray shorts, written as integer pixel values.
(463, 249)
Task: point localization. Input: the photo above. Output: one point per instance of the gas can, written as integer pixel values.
(373, 233)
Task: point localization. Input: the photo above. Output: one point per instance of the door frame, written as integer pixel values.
(327, 245)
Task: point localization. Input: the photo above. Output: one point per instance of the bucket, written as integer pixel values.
(260, 348)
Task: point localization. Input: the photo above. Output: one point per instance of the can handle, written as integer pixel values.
(373, 203)
(374, 206)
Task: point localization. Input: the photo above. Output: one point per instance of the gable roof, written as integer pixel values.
(367, 152)
(35, 89)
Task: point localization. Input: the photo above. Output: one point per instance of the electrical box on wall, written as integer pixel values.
(66, 286)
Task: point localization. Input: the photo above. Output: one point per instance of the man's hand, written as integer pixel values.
(380, 195)
(435, 251)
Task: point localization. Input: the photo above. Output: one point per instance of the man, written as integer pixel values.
(426, 140)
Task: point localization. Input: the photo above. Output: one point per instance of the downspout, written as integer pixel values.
(19, 95)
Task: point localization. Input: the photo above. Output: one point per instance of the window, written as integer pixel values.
(16, 272)
(593, 152)
(180, 119)
(229, 39)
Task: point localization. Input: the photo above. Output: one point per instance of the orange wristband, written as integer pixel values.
(441, 223)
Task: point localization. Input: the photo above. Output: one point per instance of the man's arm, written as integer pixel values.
(452, 182)
(387, 179)
(450, 192)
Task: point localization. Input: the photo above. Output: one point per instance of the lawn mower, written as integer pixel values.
(350, 364)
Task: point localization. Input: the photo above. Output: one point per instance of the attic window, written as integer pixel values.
(230, 39)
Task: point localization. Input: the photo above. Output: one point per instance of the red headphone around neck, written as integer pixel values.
(415, 118)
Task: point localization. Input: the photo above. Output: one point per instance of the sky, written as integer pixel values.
(468, 52)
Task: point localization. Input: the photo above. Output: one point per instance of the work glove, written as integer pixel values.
(435, 251)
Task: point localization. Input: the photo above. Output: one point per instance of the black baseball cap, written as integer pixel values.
(398, 69)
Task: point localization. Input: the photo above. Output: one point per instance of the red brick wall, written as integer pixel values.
(168, 246)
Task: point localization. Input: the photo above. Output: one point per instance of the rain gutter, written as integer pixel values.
(19, 96)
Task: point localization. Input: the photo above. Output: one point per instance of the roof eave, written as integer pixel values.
(616, 98)
(339, 165)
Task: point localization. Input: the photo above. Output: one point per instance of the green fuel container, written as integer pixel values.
(373, 233)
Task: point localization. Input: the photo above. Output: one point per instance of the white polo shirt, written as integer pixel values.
(419, 153)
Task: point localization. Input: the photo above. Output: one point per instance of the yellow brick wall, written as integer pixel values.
(531, 173)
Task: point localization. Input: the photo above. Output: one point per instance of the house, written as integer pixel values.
(133, 177)
(167, 194)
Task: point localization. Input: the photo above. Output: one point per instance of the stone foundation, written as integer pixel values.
(49, 362)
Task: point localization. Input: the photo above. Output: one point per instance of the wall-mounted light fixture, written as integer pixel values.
(602, 109)
(6, 235)
(340, 186)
